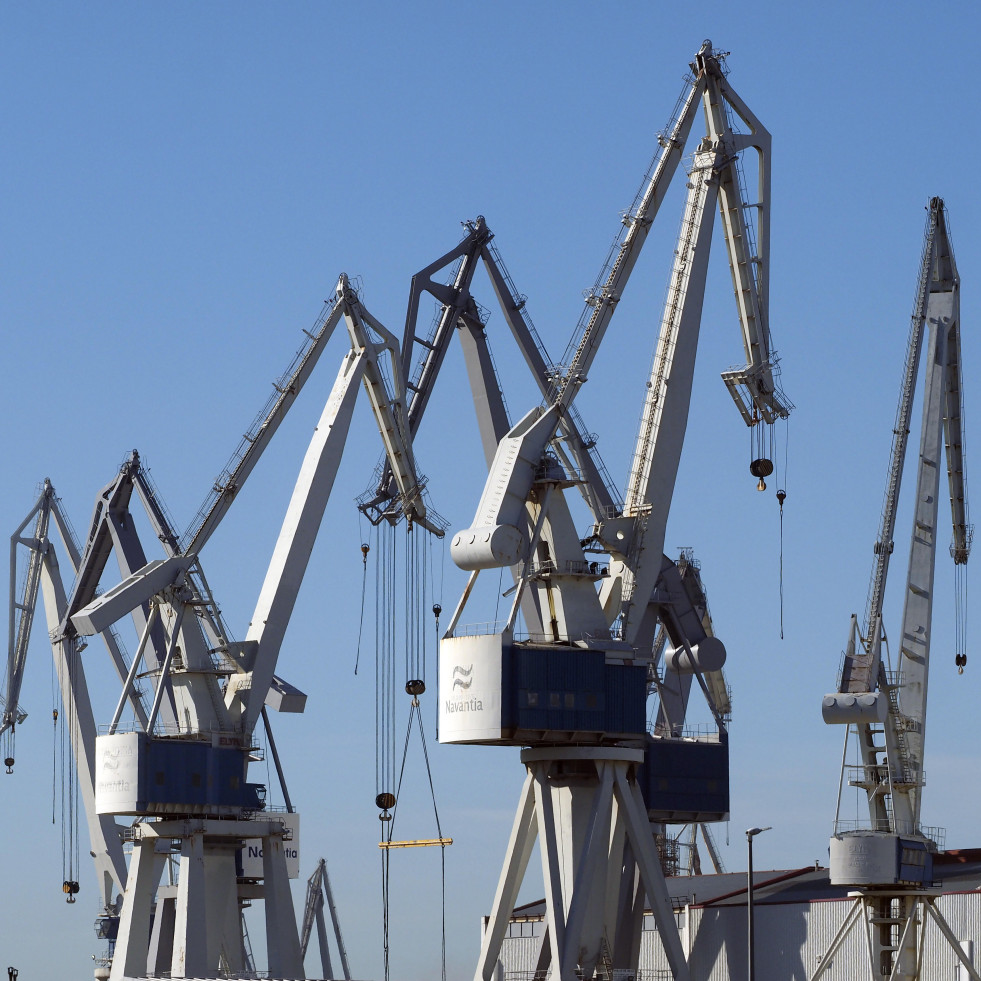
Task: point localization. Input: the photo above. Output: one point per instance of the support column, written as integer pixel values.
(191, 924)
(282, 939)
(130, 958)
(523, 835)
(225, 948)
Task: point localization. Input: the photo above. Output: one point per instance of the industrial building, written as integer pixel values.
(797, 914)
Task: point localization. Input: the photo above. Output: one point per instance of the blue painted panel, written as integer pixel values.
(570, 690)
(686, 781)
(915, 861)
(181, 773)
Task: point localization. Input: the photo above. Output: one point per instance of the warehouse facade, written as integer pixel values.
(797, 915)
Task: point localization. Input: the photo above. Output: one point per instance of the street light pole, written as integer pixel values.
(750, 835)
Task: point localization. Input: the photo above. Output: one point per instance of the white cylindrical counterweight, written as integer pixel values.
(844, 707)
(487, 548)
(709, 654)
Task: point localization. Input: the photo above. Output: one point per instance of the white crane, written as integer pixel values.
(574, 691)
(890, 859)
(318, 889)
(43, 575)
(182, 770)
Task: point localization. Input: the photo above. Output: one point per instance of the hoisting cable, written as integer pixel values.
(760, 449)
(69, 789)
(416, 712)
(10, 746)
(54, 743)
(438, 597)
(960, 616)
(781, 497)
(10, 740)
(365, 549)
(54, 763)
(384, 707)
(417, 564)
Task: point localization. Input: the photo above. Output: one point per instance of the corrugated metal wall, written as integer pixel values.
(789, 940)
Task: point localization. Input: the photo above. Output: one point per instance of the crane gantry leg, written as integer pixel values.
(584, 807)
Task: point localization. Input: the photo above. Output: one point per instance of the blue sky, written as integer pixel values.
(185, 182)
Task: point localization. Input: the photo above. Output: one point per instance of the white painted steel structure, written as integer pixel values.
(182, 772)
(890, 859)
(584, 802)
(319, 890)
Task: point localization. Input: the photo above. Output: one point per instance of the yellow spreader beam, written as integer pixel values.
(418, 843)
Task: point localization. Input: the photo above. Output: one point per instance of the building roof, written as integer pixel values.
(954, 871)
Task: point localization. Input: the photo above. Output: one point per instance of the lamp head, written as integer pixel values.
(753, 832)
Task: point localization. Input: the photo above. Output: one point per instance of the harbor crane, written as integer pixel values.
(319, 890)
(458, 312)
(573, 690)
(889, 859)
(180, 768)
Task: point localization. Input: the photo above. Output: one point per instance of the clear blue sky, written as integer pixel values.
(183, 184)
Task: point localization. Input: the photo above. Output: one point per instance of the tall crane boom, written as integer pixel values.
(890, 858)
(242, 462)
(43, 577)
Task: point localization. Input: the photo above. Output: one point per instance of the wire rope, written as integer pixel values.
(393, 611)
(385, 625)
(415, 713)
(960, 617)
(365, 549)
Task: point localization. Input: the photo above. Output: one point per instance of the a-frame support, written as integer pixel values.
(585, 809)
(913, 908)
(198, 923)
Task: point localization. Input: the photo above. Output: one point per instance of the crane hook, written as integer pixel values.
(761, 467)
(386, 802)
(960, 660)
(365, 549)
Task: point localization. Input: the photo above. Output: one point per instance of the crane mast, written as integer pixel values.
(890, 859)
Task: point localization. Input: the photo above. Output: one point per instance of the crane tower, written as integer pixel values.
(889, 858)
(572, 687)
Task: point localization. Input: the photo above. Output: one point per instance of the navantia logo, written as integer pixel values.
(462, 677)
